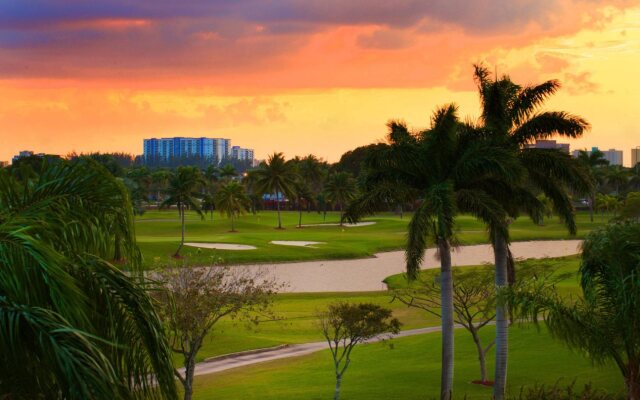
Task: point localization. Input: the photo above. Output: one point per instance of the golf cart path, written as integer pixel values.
(366, 274)
(244, 359)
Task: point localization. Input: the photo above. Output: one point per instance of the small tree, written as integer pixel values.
(232, 200)
(195, 299)
(473, 303)
(345, 325)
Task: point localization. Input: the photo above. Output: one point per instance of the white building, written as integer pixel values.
(239, 153)
(549, 144)
(612, 155)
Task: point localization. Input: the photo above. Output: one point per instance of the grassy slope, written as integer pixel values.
(158, 235)
(408, 371)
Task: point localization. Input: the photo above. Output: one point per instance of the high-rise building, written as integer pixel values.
(549, 144)
(213, 149)
(613, 156)
(635, 156)
(239, 153)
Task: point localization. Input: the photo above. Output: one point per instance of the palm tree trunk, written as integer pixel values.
(446, 301)
(591, 201)
(500, 250)
(340, 208)
(278, 208)
(181, 210)
(233, 228)
(300, 217)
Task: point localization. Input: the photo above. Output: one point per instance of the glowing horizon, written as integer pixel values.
(299, 76)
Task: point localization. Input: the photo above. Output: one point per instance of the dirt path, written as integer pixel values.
(244, 359)
(367, 274)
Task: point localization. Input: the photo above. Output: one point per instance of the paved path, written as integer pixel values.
(226, 362)
(367, 274)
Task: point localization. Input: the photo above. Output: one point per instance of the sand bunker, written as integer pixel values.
(345, 225)
(367, 274)
(297, 243)
(221, 246)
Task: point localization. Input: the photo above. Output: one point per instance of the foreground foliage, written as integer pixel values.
(71, 324)
(605, 322)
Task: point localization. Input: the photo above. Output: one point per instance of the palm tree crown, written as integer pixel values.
(276, 176)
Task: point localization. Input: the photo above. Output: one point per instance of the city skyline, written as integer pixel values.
(312, 77)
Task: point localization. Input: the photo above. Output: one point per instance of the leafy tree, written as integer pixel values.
(73, 326)
(232, 200)
(276, 176)
(196, 299)
(605, 322)
(511, 118)
(313, 172)
(473, 303)
(345, 325)
(451, 167)
(159, 183)
(183, 192)
(340, 188)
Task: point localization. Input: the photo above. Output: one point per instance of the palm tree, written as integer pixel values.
(340, 188)
(618, 177)
(228, 172)
(183, 192)
(314, 172)
(594, 161)
(448, 165)
(159, 181)
(71, 324)
(232, 200)
(211, 174)
(303, 194)
(605, 322)
(276, 176)
(511, 119)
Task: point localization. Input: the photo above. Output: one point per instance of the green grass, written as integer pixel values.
(158, 234)
(411, 370)
(297, 321)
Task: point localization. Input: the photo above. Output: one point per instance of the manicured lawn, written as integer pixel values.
(409, 371)
(297, 321)
(158, 234)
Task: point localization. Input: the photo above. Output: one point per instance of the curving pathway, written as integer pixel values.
(366, 274)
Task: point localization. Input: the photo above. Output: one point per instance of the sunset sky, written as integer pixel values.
(299, 76)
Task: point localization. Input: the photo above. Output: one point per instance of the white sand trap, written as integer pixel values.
(298, 243)
(367, 274)
(221, 246)
(345, 225)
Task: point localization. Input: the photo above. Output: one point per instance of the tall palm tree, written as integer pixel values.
(594, 161)
(232, 200)
(511, 119)
(72, 326)
(276, 176)
(618, 177)
(448, 166)
(314, 172)
(340, 188)
(159, 182)
(604, 323)
(211, 174)
(183, 192)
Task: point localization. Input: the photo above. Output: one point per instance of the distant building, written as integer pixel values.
(213, 149)
(4, 164)
(613, 156)
(549, 144)
(635, 156)
(238, 153)
(26, 153)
